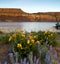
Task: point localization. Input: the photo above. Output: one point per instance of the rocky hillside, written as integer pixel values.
(12, 15)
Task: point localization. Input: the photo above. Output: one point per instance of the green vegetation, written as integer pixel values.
(58, 39)
(25, 42)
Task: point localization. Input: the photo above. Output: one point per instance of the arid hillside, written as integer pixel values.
(13, 15)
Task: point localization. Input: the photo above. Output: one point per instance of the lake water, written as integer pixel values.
(27, 26)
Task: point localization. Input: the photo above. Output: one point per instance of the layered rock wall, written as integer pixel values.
(13, 15)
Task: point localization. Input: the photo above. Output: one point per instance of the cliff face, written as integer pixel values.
(12, 15)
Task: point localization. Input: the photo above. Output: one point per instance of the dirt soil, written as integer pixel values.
(4, 50)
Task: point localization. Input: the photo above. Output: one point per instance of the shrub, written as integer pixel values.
(24, 42)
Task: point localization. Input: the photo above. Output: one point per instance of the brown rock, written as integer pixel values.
(13, 14)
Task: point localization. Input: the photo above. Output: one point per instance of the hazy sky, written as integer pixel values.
(32, 5)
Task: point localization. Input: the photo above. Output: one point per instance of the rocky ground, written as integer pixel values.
(57, 48)
(4, 49)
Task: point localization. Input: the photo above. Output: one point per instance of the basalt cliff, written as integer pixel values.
(17, 15)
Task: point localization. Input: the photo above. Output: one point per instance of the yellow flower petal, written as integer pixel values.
(10, 38)
(51, 34)
(35, 36)
(30, 37)
(23, 35)
(32, 41)
(28, 41)
(19, 45)
(38, 42)
(14, 35)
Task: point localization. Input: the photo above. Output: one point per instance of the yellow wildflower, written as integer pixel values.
(10, 38)
(23, 35)
(19, 45)
(45, 32)
(32, 41)
(51, 34)
(30, 37)
(38, 42)
(28, 41)
(35, 36)
(14, 35)
(21, 31)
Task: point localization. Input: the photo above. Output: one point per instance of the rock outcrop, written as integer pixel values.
(17, 15)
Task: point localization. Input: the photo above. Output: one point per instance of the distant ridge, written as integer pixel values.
(13, 15)
(10, 10)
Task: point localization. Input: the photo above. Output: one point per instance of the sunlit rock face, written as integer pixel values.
(13, 14)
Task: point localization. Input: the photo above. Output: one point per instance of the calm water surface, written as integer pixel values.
(27, 26)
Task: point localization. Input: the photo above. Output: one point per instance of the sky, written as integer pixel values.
(32, 6)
